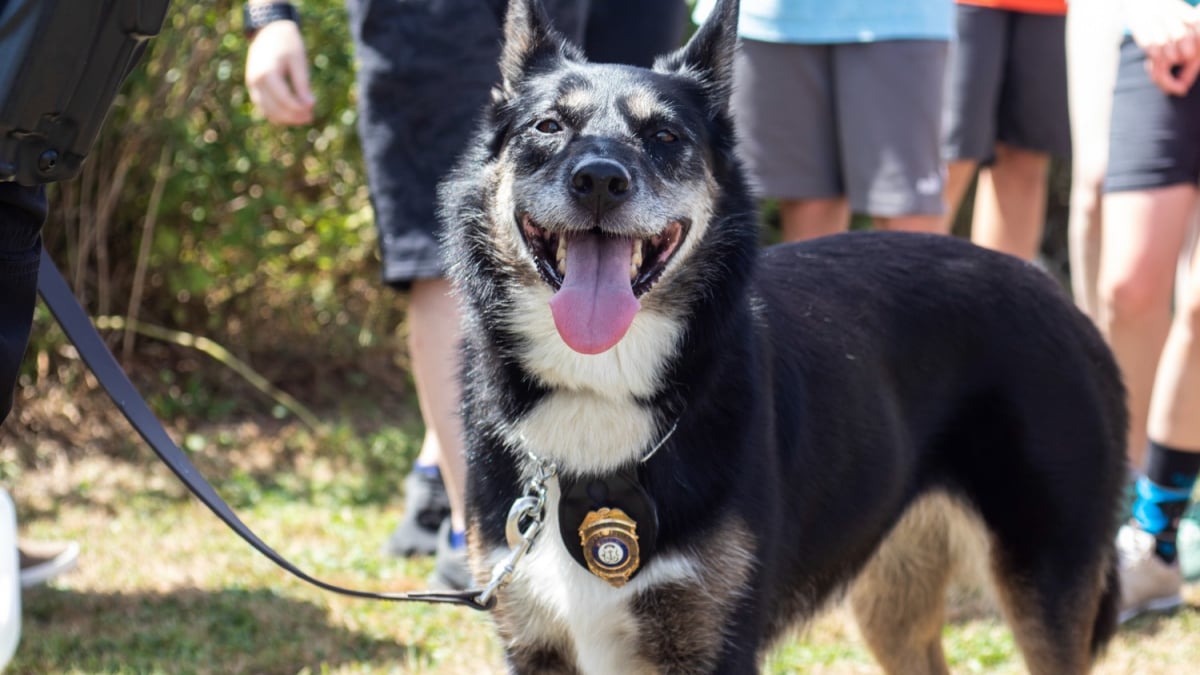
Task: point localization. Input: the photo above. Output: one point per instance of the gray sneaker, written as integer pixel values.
(425, 507)
(41, 561)
(1147, 583)
(450, 570)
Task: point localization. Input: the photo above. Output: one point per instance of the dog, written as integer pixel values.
(679, 444)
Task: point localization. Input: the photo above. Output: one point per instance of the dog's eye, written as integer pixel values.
(665, 136)
(548, 126)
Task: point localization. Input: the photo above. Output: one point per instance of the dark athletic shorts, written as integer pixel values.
(426, 68)
(1006, 81)
(1154, 140)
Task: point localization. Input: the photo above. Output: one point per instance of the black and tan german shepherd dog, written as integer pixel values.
(725, 439)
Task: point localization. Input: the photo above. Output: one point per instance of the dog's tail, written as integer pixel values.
(1105, 625)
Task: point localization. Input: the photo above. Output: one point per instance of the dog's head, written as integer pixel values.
(596, 182)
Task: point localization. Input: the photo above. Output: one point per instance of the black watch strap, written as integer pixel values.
(257, 15)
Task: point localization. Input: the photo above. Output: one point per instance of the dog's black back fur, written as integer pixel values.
(819, 390)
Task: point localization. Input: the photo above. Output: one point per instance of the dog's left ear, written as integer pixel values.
(708, 56)
(530, 42)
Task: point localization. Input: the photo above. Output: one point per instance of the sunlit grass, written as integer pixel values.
(164, 587)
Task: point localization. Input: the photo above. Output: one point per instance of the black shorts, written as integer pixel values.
(1154, 140)
(426, 68)
(1006, 81)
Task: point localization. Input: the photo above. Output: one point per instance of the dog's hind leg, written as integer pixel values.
(1059, 618)
(899, 597)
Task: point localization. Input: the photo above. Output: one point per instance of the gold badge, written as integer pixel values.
(610, 545)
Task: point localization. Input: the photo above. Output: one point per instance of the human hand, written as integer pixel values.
(1169, 32)
(277, 74)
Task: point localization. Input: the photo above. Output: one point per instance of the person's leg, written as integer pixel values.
(1173, 427)
(972, 83)
(802, 219)
(1032, 125)
(1093, 45)
(1010, 202)
(1138, 252)
(433, 341)
(22, 211)
(928, 223)
(959, 174)
(889, 105)
(1172, 461)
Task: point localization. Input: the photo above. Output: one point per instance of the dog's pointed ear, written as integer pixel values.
(708, 56)
(529, 40)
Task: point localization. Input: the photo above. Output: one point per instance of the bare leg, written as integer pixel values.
(1173, 419)
(433, 338)
(1010, 202)
(958, 178)
(1093, 45)
(1139, 250)
(810, 218)
(915, 223)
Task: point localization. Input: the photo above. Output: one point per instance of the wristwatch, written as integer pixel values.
(257, 15)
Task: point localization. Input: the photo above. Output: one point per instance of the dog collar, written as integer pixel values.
(609, 524)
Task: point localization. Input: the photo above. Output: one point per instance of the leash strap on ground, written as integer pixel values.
(79, 329)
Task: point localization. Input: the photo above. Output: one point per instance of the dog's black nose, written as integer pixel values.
(601, 184)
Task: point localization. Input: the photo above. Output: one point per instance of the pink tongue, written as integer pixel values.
(595, 305)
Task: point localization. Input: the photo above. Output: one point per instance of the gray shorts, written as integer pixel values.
(1007, 82)
(859, 120)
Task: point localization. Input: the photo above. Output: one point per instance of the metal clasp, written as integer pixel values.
(524, 524)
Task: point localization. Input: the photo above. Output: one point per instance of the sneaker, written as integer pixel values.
(450, 570)
(1147, 583)
(425, 507)
(41, 561)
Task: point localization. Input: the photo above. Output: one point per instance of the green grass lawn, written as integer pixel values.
(163, 587)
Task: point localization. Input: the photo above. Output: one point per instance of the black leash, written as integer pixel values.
(78, 327)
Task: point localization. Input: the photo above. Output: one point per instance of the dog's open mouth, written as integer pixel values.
(598, 277)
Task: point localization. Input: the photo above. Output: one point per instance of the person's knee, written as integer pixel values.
(1129, 298)
(1087, 189)
(1021, 163)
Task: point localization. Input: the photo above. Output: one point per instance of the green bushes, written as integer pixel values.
(194, 214)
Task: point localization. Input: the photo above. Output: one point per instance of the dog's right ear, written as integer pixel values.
(529, 42)
(708, 56)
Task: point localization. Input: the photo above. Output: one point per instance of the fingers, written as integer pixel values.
(278, 102)
(1161, 74)
(1187, 74)
(277, 74)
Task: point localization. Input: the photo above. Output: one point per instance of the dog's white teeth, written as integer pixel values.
(560, 255)
(635, 263)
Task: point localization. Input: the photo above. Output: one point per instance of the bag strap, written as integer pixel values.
(79, 329)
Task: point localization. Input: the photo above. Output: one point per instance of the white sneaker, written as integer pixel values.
(42, 561)
(1147, 583)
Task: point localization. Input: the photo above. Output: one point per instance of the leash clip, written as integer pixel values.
(525, 520)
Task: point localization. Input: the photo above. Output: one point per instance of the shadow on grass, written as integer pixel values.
(189, 631)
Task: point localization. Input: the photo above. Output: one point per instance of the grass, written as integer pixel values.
(163, 587)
